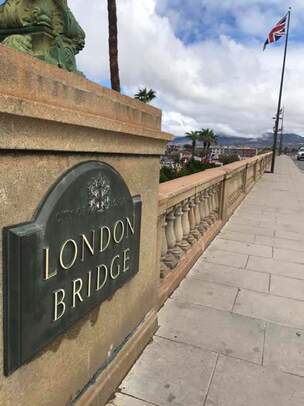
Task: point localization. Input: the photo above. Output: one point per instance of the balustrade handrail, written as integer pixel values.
(193, 209)
(174, 187)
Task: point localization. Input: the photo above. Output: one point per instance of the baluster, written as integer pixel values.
(218, 199)
(209, 218)
(205, 215)
(235, 182)
(237, 186)
(164, 248)
(178, 251)
(182, 212)
(192, 220)
(198, 212)
(170, 260)
(203, 226)
(213, 204)
(188, 237)
(216, 202)
(173, 227)
(243, 179)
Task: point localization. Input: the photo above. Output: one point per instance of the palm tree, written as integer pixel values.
(194, 137)
(145, 95)
(208, 138)
(113, 47)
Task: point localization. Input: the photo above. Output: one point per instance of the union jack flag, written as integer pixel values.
(277, 32)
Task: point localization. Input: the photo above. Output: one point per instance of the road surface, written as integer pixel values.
(300, 164)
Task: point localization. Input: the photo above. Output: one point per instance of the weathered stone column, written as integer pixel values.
(198, 212)
(169, 259)
(173, 249)
(178, 227)
(187, 237)
(164, 246)
(217, 200)
(209, 218)
(205, 208)
(192, 219)
(213, 204)
(202, 225)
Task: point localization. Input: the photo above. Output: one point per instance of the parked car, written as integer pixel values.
(300, 154)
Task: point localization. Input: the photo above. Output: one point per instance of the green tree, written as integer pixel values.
(145, 95)
(226, 159)
(113, 46)
(208, 138)
(193, 137)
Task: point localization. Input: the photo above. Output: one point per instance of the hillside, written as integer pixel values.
(264, 141)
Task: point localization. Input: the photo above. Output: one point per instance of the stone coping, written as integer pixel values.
(182, 188)
(35, 89)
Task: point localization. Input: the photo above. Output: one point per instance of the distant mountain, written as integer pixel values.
(264, 141)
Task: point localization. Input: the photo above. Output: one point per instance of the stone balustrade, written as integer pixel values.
(194, 208)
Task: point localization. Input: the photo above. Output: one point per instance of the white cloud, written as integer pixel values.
(219, 83)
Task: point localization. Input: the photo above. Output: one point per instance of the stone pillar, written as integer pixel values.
(51, 121)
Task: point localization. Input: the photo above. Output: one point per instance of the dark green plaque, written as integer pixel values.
(80, 248)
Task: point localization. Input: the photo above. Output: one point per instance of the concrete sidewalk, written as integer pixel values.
(233, 333)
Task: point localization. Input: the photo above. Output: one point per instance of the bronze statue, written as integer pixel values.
(46, 29)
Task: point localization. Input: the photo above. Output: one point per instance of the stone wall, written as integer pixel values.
(51, 120)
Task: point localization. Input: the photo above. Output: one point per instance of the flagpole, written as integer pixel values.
(276, 129)
(282, 132)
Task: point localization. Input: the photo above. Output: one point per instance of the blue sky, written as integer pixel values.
(196, 21)
(204, 58)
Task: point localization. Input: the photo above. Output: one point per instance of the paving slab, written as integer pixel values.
(244, 220)
(291, 211)
(276, 267)
(252, 219)
(295, 227)
(124, 400)
(219, 331)
(239, 383)
(288, 255)
(287, 287)
(249, 211)
(206, 293)
(237, 236)
(284, 349)
(229, 276)
(249, 229)
(243, 248)
(289, 235)
(276, 309)
(280, 243)
(170, 373)
(225, 258)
